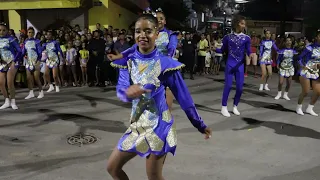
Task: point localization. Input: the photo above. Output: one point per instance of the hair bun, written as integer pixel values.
(159, 10)
(3, 24)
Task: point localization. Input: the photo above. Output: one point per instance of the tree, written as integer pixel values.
(176, 9)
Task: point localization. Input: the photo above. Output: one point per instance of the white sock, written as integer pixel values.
(41, 94)
(278, 95)
(51, 88)
(261, 87)
(224, 111)
(299, 109)
(266, 87)
(57, 89)
(6, 104)
(285, 96)
(309, 110)
(13, 104)
(30, 95)
(235, 111)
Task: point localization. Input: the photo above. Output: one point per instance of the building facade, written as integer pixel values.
(20, 14)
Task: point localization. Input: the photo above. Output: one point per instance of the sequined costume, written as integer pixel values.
(152, 129)
(285, 62)
(52, 49)
(265, 51)
(236, 46)
(33, 50)
(166, 43)
(10, 51)
(309, 58)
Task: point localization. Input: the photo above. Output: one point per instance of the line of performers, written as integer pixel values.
(11, 56)
(236, 43)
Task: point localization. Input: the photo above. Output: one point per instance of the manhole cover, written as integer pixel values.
(81, 139)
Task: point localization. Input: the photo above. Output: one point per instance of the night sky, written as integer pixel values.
(273, 9)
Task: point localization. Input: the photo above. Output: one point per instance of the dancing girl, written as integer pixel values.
(10, 55)
(286, 68)
(236, 45)
(152, 132)
(32, 49)
(52, 48)
(166, 43)
(266, 60)
(309, 61)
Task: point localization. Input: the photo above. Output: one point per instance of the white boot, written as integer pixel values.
(285, 96)
(13, 104)
(41, 95)
(224, 111)
(261, 87)
(235, 111)
(309, 110)
(6, 104)
(31, 95)
(266, 87)
(57, 89)
(51, 88)
(278, 95)
(299, 109)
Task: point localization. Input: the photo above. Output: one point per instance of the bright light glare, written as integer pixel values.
(241, 1)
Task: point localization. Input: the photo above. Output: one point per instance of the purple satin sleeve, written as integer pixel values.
(17, 50)
(305, 55)
(129, 51)
(172, 46)
(180, 91)
(39, 50)
(261, 48)
(248, 46)
(280, 56)
(123, 85)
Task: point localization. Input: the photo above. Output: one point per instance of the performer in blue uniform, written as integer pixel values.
(309, 61)
(286, 68)
(52, 49)
(152, 132)
(236, 45)
(10, 55)
(266, 60)
(166, 43)
(33, 50)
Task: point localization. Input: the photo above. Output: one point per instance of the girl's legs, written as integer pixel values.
(315, 96)
(154, 166)
(55, 72)
(269, 75)
(36, 75)
(74, 73)
(239, 76)
(281, 80)
(62, 74)
(305, 87)
(116, 162)
(228, 76)
(83, 75)
(285, 95)
(169, 98)
(4, 90)
(263, 76)
(47, 77)
(11, 74)
(30, 84)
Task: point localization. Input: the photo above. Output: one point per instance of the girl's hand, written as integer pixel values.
(113, 57)
(135, 91)
(207, 133)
